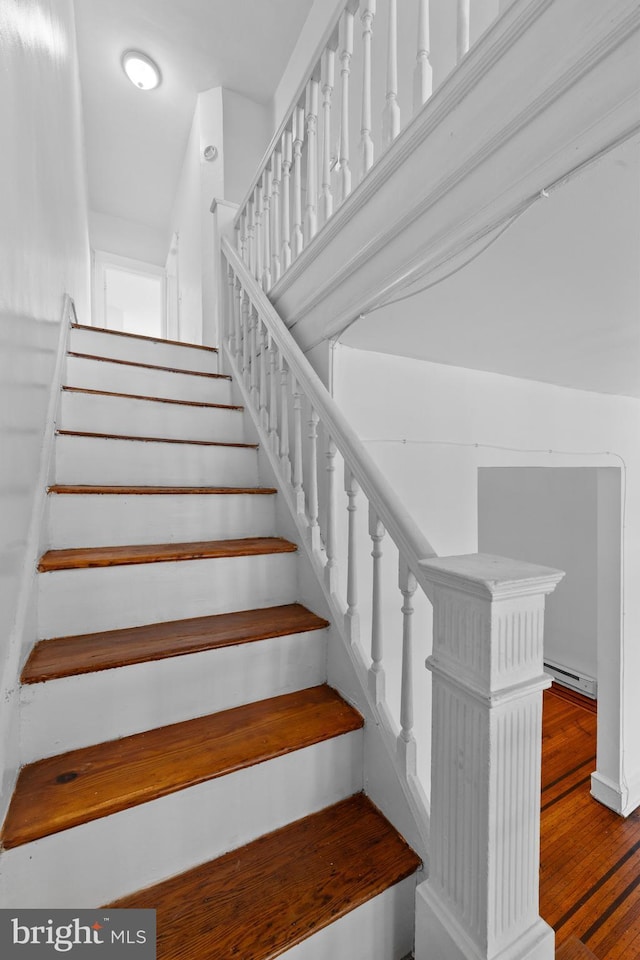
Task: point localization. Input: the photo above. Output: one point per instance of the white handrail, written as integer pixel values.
(398, 523)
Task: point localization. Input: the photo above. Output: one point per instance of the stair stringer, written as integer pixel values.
(24, 632)
(402, 800)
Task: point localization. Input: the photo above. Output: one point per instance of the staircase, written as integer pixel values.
(182, 749)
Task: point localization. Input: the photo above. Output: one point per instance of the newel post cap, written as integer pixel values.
(490, 577)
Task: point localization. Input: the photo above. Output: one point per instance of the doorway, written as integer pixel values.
(129, 296)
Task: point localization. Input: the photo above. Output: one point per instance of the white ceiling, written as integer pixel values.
(556, 298)
(135, 141)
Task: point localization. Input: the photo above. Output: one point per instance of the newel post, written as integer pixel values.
(481, 899)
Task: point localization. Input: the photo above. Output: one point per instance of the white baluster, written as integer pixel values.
(276, 214)
(368, 11)
(346, 53)
(242, 235)
(266, 229)
(298, 139)
(423, 73)
(311, 206)
(262, 347)
(273, 395)
(235, 349)
(314, 526)
(406, 740)
(251, 232)
(352, 617)
(331, 567)
(328, 79)
(236, 233)
(259, 232)
(284, 420)
(391, 113)
(298, 487)
(287, 161)
(245, 337)
(464, 16)
(253, 357)
(231, 301)
(376, 671)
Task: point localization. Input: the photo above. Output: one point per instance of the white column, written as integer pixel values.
(287, 161)
(481, 899)
(391, 113)
(298, 139)
(327, 82)
(311, 205)
(346, 53)
(423, 73)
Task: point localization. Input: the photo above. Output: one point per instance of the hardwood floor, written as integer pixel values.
(590, 857)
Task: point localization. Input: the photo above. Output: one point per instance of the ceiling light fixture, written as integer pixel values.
(141, 70)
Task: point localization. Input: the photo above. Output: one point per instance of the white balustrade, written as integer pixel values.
(287, 163)
(464, 22)
(367, 14)
(423, 73)
(298, 140)
(281, 214)
(487, 652)
(266, 230)
(311, 208)
(346, 53)
(276, 221)
(391, 115)
(327, 82)
(352, 616)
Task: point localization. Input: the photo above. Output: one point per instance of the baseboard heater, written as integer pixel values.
(574, 681)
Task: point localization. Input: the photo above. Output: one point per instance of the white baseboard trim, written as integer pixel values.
(623, 799)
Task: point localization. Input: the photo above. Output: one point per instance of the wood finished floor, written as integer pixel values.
(590, 857)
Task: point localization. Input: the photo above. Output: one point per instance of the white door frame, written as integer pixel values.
(102, 260)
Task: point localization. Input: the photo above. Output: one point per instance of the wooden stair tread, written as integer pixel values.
(138, 396)
(141, 336)
(123, 436)
(574, 949)
(77, 489)
(83, 785)
(70, 656)
(259, 900)
(82, 557)
(148, 366)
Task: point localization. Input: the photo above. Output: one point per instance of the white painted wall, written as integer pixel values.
(457, 420)
(247, 132)
(559, 517)
(199, 183)
(44, 252)
(127, 238)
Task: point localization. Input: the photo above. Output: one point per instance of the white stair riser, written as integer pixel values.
(142, 351)
(99, 861)
(120, 378)
(73, 712)
(380, 929)
(96, 460)
(108, 598)
(145, 418)
(94, 520)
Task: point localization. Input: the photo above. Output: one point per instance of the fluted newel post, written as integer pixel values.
(346, 53)
(276, 215)
(327, 82)
(311, 206)
(287, 162)
(481, 898)
(391, 114)
(298, 139)
(462, 33)
(367, 13)
(423, 73)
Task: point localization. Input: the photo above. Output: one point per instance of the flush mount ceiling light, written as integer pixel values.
(141, 70)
